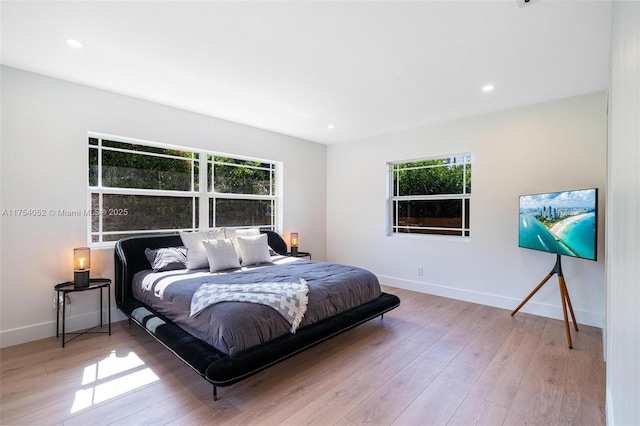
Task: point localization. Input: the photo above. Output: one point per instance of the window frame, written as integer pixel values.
(393, 200)
(201, 194)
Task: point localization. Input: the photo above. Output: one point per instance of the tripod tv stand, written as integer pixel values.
(564, 295)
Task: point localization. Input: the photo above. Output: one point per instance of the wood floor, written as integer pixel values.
(433, 361)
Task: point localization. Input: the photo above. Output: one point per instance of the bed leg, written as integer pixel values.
(215, 393)
(381, 316)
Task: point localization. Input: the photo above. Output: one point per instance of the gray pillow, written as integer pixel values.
(166, 259)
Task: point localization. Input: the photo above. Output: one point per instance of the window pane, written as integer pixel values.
(467, 203)
(142, 212)
(394, 182)
(126, 170)
(93, 167)
(468, 181)
(241, 212)
(195, 174)
(95, 205)
(209, 175)
(431, 213)
(430, 180)
(241, 180)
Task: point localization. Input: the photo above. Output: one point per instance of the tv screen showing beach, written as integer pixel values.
(560, 222)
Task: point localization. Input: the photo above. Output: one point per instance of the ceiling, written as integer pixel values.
(366, 67)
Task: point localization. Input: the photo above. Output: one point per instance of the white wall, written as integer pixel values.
(623, 227)
(44, 165)
(558, 145)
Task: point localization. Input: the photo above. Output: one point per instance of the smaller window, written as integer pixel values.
(430, 196)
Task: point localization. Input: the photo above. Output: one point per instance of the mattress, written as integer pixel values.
(232, 327)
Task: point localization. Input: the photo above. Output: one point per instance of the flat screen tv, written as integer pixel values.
(563, 222)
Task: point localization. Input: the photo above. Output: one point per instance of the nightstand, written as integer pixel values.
(67, 287)
(302, 254)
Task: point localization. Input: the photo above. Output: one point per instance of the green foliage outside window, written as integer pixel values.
(235, 176)
(430, 177)
(142, 167)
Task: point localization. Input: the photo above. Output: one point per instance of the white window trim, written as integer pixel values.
(391, 198)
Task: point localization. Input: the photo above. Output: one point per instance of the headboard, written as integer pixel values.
(129, 257)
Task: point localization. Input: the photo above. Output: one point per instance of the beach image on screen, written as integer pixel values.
(560, 222)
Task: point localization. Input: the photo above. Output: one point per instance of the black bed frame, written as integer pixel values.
(216, 367)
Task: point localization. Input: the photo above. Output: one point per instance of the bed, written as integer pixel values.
(221, 352)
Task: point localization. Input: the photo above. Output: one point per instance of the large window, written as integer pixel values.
(140, 187)
(430, 196)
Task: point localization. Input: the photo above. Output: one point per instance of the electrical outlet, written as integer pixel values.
(420, 271)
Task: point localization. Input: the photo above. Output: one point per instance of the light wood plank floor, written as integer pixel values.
(432, 361)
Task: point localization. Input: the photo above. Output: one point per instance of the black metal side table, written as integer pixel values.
(68, 287)
(300, 254)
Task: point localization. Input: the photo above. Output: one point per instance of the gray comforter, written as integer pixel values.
(232, 327)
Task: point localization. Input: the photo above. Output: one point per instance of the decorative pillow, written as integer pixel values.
(221, 255)
(254, 250)
(196, 255)
(233, 234)
(166, 259)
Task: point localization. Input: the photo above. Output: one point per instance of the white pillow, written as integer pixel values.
(221, 255)
(254, 250)
(233, 235)
(196, 254)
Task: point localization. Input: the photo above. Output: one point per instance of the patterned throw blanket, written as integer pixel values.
(289, 299)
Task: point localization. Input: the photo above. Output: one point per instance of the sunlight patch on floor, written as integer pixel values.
(111, 377)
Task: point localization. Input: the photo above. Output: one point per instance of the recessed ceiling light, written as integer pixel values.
(488, 88)
(331, 127)
(74, 43)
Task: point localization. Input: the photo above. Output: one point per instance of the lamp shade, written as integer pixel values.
(294, 243)
(81, 258)
(81, 266)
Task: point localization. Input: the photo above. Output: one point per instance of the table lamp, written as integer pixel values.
(294, 244)
(81, 266)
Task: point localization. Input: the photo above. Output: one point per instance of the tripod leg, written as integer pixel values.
(566, 293)
(563, 296)
(531, 294)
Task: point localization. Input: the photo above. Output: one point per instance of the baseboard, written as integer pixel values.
(542, 309)
(44, 330)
